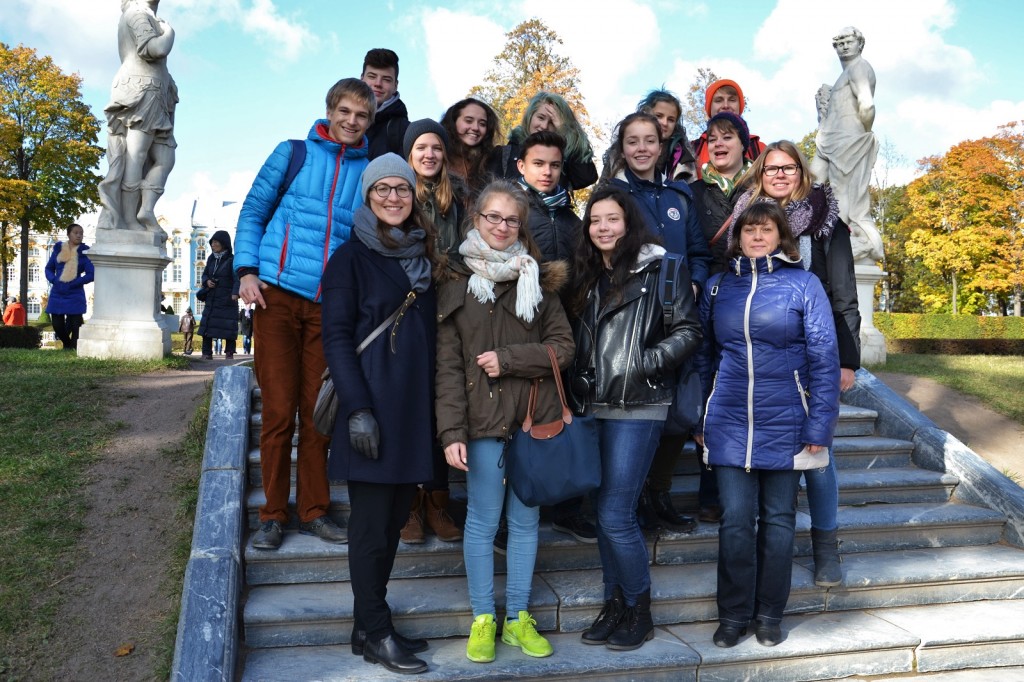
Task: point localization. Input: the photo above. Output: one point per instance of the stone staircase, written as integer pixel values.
(929, 586)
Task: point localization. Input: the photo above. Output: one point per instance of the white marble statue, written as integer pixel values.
(846, 147)
(140, 120)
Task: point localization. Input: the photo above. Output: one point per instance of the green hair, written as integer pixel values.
(577, 145)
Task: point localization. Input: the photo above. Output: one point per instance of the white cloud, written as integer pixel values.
(206, 195)
(459, 48)
(290, 39)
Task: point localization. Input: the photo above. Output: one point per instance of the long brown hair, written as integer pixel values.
(443, 192)
(418, 218)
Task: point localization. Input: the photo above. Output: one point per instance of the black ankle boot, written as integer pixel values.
(662, 502)
(411, 646)
(392, 656)
(726, 636)
(635, 628)
(827, 571)
(607, 621)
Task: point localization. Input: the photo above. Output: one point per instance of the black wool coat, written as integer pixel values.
(361, 289)
(220, 314)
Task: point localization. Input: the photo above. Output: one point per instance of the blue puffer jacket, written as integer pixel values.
(670, 214)
(68, 298)
(291, 248)
(771, 361)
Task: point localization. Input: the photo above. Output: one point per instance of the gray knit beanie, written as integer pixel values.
(421, 127)
(389, 165)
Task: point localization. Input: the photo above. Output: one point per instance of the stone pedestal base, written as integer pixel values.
(872, 343)
(126, 319)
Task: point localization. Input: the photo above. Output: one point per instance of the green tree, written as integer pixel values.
(529, 63)
(47, 144)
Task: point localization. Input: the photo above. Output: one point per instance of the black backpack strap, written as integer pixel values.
(668, 283)
(295, 161)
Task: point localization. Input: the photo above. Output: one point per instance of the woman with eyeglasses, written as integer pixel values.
(497, 312)
(781, 173)
(379, 335)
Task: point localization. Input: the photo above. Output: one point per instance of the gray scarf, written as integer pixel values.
(410, 252)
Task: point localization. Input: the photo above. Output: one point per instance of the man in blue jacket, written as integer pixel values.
(282, 245)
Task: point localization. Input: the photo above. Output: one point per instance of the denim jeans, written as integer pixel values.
(755, 543)
(823, 495)
(487, 493)
(627, 448)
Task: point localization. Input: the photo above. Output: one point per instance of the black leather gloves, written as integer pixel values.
(364, 434)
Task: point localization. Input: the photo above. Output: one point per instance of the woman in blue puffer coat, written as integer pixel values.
(68, 271)
(770, 364)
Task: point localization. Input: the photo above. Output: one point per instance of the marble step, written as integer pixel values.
(891, 485)
(568, 601)
(871, 528)
(871, 452)
(888, 642)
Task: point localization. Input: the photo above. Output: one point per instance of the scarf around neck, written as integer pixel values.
(552, 201)
(727, 185)
(410, 252)
(490, 266)
(69, 256)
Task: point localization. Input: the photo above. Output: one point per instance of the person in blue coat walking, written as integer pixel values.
(769, 362)
(68, 271)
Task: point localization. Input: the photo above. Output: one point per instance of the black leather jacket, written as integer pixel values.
(624, 351)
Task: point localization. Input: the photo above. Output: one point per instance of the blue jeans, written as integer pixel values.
(755, 543)
(823, 495)
(627, 448)
(487, 493)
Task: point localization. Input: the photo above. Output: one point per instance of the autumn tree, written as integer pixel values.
(48, 149)
(529, 63)
(695, 118)
(1008, 148)
(958, 211)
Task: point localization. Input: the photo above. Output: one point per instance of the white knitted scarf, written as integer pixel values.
(490, 266)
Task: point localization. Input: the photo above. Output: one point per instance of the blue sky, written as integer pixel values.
(253, 72)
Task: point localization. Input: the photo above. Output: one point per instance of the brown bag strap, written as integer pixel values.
(531, 405)
(721, 231)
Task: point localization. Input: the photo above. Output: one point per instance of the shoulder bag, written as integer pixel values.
(687, 407)
(325, 411)
(549, 463)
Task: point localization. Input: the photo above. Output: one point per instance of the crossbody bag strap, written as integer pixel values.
(721, 231)
(384, 325)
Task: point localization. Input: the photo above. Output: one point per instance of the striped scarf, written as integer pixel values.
(552, 201)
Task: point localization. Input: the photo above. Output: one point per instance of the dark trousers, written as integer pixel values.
(229, 346)
(755, 543)
(289, 362)
(440, 480)
(187, 338)
(659, 477)
(66, 328)
(379, 510)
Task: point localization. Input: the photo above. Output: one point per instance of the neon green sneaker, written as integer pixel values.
(523, 634)
(480, 647)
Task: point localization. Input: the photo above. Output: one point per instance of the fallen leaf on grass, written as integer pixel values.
(124, 649)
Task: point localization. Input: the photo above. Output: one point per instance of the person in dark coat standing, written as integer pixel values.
(384, 432)
(220, 316)
(68, 271)
(387, 132)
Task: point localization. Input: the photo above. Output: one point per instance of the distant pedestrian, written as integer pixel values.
(68, 271)
(245, 328)
(220, 316)
(188, 328)
(14, 314)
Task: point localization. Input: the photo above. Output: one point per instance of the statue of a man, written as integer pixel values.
(846, 147)
(140, 120)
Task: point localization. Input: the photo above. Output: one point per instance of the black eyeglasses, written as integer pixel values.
(384, 191)
(788, 169)
(495, 219)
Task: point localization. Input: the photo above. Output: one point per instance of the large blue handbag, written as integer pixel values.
(549, 463)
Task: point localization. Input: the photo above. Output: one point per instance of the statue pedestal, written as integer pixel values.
(872, 342)
(127, 322)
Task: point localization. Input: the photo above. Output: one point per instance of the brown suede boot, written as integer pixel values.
(438, 519)
(412, 532)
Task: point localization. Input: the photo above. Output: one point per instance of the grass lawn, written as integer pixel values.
(997, 380)
(53, 421)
